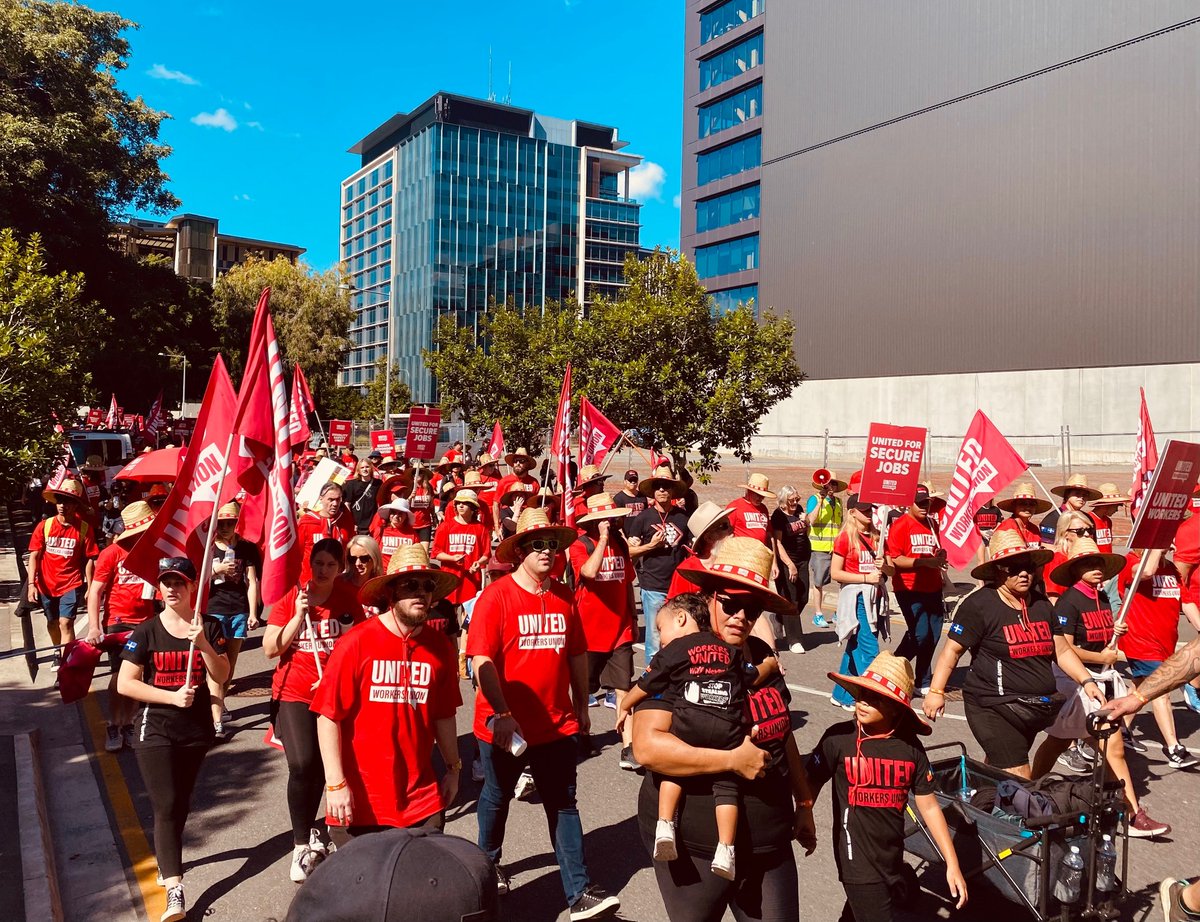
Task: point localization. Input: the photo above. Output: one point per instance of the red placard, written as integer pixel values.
(340, 432)
(127, 420)
(1168, 496)
(892, 467)
(95, 416)
(423, 427)
(384, 442)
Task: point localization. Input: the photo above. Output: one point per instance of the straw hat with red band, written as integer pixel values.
(521, 454)
(743, 565)
(136, 518)
(588, 474)
(602, 506)
(1111, 495)
(485, 459)
(409, 561)
(534, 523)
(93, 463)
(1078, 483)
(1024, 491)
(890, 677)
(1088, 556)
(648, 486)
(69, 489)
(545, 498)
(760, 484)
(518, 490)
(1007, 546)
(229, 512)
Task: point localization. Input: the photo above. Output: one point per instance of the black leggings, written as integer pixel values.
(766, 889)
(867, 903)
(296, 726)
(169, 773)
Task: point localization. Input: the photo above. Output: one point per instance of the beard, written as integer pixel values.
(412, 618)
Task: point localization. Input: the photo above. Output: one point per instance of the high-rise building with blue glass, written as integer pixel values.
(462, 203)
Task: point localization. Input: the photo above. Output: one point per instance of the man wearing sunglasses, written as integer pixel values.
(628, 496)
(529, 654)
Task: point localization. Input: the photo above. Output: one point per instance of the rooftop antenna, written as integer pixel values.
(508, 95)
(491, 92)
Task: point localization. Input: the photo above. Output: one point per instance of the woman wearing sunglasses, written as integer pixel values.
(364, 561)
(1010, 694)
(1071, 527)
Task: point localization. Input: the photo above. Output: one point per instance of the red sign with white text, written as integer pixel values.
(892, 467)
(95, 417)
(383, 441)
(423, 426)
(340, 431)
(1168, 496)
(127, 420)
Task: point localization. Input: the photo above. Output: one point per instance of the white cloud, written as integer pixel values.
(646, 181)
(159, 72)
(242, 197)
(677, 201)
(257, 125)
(219, 119)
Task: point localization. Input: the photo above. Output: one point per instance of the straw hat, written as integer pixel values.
(407, 561)
(519, 454)
(1025, 491)
(743, 564)
(545, 498)
(602, 506)
(589, 473)
(707, 515)
(463, 495)
(889, 676)
(443, 466)
(93, 463)
(230, 511)
(1077, 482)
(1007, 545)
(485, 459)
(1111, 495)
(839, 486)
(760, 484)
(1085, 549)
(136, 518)
(650, 484)
(534, 523)
(518, 490)
(70, 488)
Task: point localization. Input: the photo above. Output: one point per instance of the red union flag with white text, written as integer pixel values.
(1145, 458)
(560, 438)
(986, 465)
(597, 435)
(496, 446)
(302, 404)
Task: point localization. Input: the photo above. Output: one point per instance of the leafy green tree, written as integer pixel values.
(45, 331)
(401, 393)
(311, 311)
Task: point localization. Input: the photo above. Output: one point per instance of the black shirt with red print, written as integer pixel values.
(1011, 650)
(1086, 618)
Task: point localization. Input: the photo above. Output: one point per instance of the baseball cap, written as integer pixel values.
(375, 455)
(400, 875)
(852, 502)
(180, 566)
(631, 474)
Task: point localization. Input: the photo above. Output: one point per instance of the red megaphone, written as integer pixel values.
(821, 477)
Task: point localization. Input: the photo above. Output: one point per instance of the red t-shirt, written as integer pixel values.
(1187, 540)
(421, 502)
(129, 599)
(860, 560)
(387, 693)
(603, 602)
(297, 671)
(751, 520)
(1031, 533)
(508, 480)
(1153, 616)
(1104, 535)
(1053, 588)
(392, 539)
(679, 579)
(908, 537)
(531, 639)
(64, 556)
(474, 540)
(313, 528)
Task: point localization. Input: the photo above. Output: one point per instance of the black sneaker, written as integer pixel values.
(594, 903)
(628, 762)
(503, 884)
(1179, 757)
(1086, 750)
(1074, 760)
(1132, 744)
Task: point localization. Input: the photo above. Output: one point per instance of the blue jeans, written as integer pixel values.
(861, 647)
(651, 602)
(923, 613)
(553, 768)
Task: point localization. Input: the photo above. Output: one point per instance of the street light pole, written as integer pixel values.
(387, 370)
(173, 356)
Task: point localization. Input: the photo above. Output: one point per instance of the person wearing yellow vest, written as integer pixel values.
(824, 512)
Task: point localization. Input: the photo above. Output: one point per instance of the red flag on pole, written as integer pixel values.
(302, 404)
(1145, 458)
(154, 418)
(987, 464)
(496, 446)
(114, 415)
(560, 440)
(597, 435)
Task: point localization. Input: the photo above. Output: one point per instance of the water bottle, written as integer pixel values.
(1070, 877)
(230, 556)
(1106, 866)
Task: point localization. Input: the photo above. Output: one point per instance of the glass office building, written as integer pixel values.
(463, 203)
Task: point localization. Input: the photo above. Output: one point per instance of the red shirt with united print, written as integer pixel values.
(387, 693)
(909, 537)
(313, 527)
(1104, 534)
(421, 504)
(507, 481)
(531, 639)
(128, 599)
(1153, 616)
(391, 539)
(473, 541)
(860, 559)
(297, 670)
(751, 520)
(65, 552)
(1030, 534)
(603, 601)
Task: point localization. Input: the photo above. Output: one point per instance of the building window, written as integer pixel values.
(728, 16)
(728, 299)
(730, 208)
(731, 62)
(742, 155)
(729, 256)
(730, 111)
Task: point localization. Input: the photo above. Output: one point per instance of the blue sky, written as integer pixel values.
(267, 97)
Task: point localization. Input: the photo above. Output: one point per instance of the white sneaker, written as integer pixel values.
(723, 863)
(664, 841)
(797, 648)
(477, 770)
(525, 786)
(219, 730)
(302, 864)
(176, 910)
(316, 844)
(838, 704)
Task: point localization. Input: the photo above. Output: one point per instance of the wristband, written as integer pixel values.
(935, 691)
(804, 804)
(454, 766)
(1140, 697)
(335, 787)
(501, 714)
(1088, 679)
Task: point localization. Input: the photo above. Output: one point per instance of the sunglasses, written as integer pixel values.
(356, 559)
(1013, 569)
(541, 544)
(416, 585)
(631, 480)
(751, 611)
(1082, 532)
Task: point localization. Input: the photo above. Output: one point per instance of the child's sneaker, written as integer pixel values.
(723, 863)
(664, 841)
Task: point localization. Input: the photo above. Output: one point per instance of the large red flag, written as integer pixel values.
(154, 418)
(986, 465)
(302, 404)
(597, 435)
(560, 440)
(113, 420)
(1145, 457)
(496, 446)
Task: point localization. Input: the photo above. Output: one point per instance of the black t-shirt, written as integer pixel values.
(362, 498)
(634, 504)
(443, 617)
(229, 594)
(705, 674)
(1049, 525)
(1008, 658)
(1088, 622)
(987, 518)
(792, 532)
(163, 658)
(655, 568)
(872, 779)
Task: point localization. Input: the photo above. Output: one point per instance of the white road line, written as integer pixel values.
(825, 694)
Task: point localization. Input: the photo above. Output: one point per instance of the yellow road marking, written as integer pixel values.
(137, 846)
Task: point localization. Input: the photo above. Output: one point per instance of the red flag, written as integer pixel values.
(496, 447)
(560, 440)
(114, 416)
(302, 404)
(597, 435)
(1145, 457)
(986, 465)
(657, 460)
(154, 418)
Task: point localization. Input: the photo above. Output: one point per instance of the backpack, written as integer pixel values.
(49, 525)
(1049, 795)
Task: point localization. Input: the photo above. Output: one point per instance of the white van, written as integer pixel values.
(114, 448)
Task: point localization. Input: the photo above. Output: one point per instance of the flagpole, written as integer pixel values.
(612, 453)
(1138, 573)
(1050, 496)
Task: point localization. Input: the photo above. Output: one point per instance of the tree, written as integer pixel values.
(45, 331)
(401, 393)
(311, 311)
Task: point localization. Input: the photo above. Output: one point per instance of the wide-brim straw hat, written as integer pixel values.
(464, 495)
(589, 473)
(407, 561)
(602, 506)
(889, 676)
(839, 486)
(443, 466)
(520, 453)
(1024, 491)
(518, 490)
(707, 515)
(1111, 495)
(534, 523)
(1007, 545)
(760, 484)
(1085, 550)
(1077, 482)
(650, 484)
(485, 459)
(136, 517)
(743, 564)
(545, 498)
(93, 463)
(230, 511)
(70, 488)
